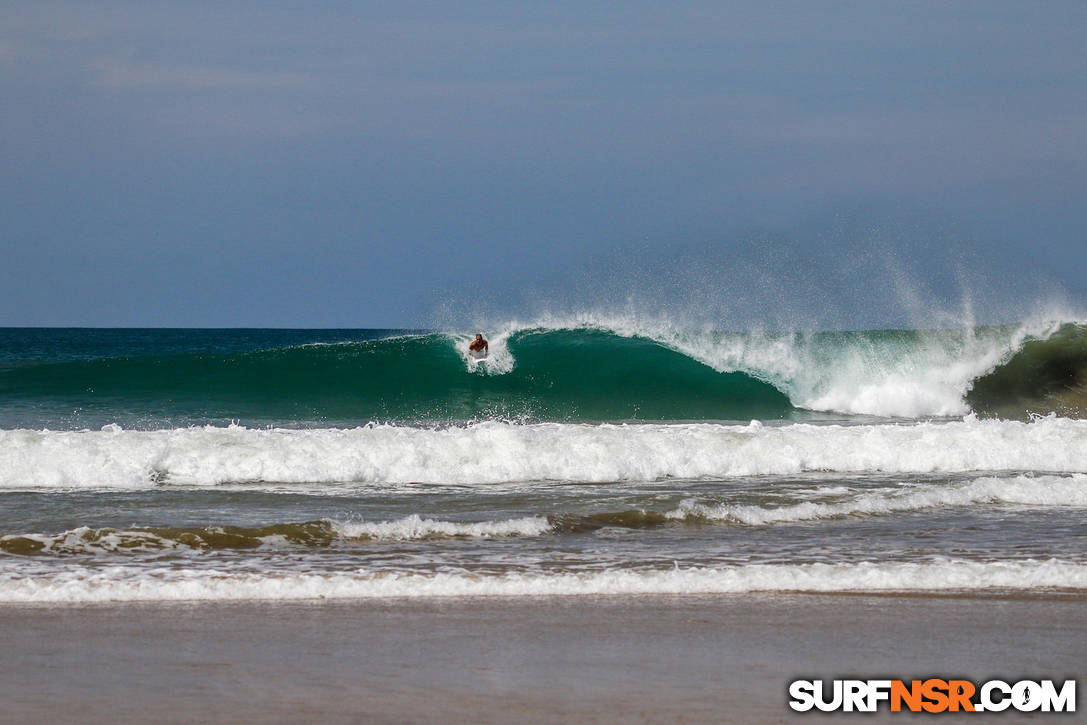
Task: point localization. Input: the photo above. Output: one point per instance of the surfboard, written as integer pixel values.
(477, 354)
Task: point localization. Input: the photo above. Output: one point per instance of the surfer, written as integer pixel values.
(479, 347)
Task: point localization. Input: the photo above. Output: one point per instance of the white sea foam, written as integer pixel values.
(130, 583)
(85, 540)
(416, 527)
(501, 452)
(499, 360)
(1024, 490)
(928, 375)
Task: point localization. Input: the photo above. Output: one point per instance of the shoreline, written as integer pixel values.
(674, 658)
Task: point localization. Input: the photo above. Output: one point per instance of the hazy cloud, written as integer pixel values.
(391, 150)
(122, 73)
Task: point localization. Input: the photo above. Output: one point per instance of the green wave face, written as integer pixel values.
(558, 375)
(1043, 376)
(568, 374)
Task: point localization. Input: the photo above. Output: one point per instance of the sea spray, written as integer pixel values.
(597, 455)
(586, 368)
(495, 452)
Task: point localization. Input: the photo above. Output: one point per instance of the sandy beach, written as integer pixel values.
(561, 659)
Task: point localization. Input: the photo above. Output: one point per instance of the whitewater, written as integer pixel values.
(903, 373)
(592, 369)
(586, 455)
(502, 452)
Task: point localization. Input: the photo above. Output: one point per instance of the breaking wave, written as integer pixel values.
(1021, 490)
(1048, 491)
(586, 369)
(496, 452)
(87, 540)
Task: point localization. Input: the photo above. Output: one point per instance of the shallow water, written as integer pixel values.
(157, 504)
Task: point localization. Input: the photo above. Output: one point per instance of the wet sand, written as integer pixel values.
(577, 659)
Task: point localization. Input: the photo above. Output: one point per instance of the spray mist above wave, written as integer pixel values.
(493, 452)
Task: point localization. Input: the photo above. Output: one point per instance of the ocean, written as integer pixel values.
(585, 456)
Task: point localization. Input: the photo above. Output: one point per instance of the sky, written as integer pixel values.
(408, 164)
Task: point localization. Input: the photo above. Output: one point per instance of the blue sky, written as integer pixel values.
(399, 164)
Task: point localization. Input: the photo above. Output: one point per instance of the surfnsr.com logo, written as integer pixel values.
(932, 695)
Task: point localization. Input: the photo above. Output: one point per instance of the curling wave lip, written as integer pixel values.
(578, 370)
